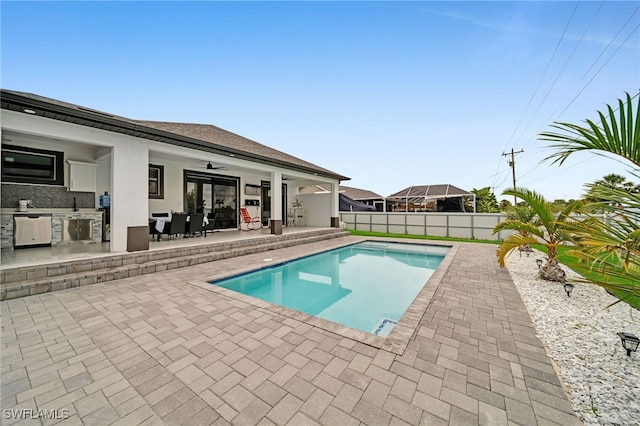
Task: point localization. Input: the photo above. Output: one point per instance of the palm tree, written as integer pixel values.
(612, 246)
(485, 200)
(611, 180)
(541, 228)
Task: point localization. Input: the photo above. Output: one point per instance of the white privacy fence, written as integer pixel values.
(477, 226)
(458, 225)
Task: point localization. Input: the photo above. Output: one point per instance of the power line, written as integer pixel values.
(608, 45)
(543, 74)
(598, 72)
(591, 67)
(563, 67)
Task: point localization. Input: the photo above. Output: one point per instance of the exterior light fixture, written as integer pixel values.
(539, 263)
(629, 341)
(568, 288)
(29, 111)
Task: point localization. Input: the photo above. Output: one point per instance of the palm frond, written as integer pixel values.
(511, 243)
(535, 200)
(518, 226)
(618, 137)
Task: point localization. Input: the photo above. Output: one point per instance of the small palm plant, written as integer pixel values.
(539, 225)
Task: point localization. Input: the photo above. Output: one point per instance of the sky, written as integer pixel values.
(390, 94)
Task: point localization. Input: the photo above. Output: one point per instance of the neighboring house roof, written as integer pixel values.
(359, 194)
(202, 137)
(424, 192)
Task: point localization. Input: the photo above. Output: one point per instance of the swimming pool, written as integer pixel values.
(367, 286)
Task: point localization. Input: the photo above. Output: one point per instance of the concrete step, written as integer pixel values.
(36, 279)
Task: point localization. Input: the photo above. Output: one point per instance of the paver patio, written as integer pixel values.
(165, 349)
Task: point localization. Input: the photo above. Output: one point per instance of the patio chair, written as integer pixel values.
(195, 223)
(211, 226)
(177, 226)
(249, 221)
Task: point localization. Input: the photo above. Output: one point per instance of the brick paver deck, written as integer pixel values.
(164, 349)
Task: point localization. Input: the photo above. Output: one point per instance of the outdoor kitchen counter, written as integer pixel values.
(59, 217)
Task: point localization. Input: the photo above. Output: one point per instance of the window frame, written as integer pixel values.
(159, 194)
(57, 166)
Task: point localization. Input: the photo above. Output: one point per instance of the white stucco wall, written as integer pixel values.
(130, 183)
(174, 184)
(103, 177)
(318, 208)
(129, 158)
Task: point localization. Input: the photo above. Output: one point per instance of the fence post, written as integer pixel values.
(473, 228)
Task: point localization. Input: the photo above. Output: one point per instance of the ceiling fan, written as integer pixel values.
(210, 166)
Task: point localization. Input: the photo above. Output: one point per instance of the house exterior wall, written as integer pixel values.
(122, 171)
(77, 152)
(317, 208)
(128, 181)
(130, 191)
(173, 187)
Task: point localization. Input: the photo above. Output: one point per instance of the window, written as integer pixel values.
(156, 181)
(30, 165)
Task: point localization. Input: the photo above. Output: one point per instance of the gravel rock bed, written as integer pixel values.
(579, 332)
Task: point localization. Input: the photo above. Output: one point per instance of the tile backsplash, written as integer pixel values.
(44, 196)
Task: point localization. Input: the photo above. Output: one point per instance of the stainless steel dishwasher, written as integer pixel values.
(31, 230)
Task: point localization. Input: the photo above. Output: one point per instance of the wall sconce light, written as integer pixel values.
(539, 263)
(629, 341)
(568, 288)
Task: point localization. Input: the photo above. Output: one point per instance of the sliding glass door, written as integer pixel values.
(214, 195)
(266, 202)
(225, 196)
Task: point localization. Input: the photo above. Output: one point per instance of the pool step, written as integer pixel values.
(384, 327)
(35, 279)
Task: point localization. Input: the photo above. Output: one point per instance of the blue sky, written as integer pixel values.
(391, 94)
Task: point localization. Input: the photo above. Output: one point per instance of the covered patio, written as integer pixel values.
(45, 255)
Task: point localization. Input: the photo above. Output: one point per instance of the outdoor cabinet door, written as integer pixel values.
(82, 176)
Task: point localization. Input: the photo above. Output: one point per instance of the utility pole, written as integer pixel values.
(512, 164)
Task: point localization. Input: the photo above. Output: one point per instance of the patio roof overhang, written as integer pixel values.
(26, 103)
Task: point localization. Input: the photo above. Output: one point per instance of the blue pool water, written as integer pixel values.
(367, 286)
